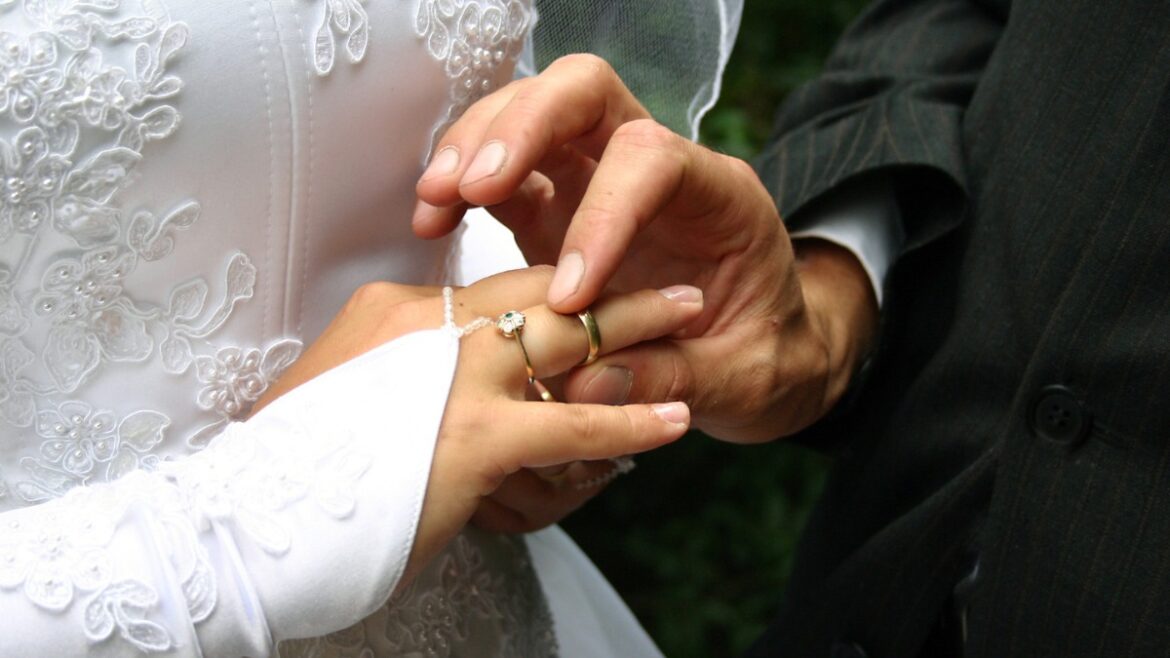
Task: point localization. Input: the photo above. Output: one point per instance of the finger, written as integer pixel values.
(494, 517)
(645, 168)
(431, 222)
(502, 292)
(539, 503)
(557, 342)
(578, 99)
(439, 183)
(658, 371)
(534, 209)
(538, 212)
(723, 380)
(527, 214)
(547, 434)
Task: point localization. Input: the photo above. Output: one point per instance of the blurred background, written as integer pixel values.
(699, 539)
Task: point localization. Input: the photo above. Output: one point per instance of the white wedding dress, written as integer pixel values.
(189, 191)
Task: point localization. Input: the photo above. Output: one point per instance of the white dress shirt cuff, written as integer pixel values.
(862, 217)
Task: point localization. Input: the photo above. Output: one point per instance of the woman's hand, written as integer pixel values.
(489, 429)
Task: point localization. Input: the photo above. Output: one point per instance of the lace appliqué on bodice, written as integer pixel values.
(83, 121)
(463, 605)
(87, 87)
(472, 40)
(345, 21)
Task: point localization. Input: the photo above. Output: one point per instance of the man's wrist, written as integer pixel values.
(842, 304)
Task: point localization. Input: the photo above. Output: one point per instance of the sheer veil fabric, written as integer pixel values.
(189, 191)
(670, 53)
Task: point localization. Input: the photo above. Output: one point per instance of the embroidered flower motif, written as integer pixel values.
(30, 177)
(226, 482)
(235, 378)
(473, 40)
(466, 600)
(348, 19)
(25, 73)
(61, 553)
(66, 551)
(92, 319)
(81, 438)
(486, 37)
(87, 91)
(16, 401)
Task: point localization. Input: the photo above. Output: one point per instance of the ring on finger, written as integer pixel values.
(511, 325)
(593, 332)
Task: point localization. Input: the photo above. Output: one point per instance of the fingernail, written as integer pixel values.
(675, 413)
(444, 163)
(610, 386)
(423, 212)
(488, 162)
(570, 271)
(683, 294)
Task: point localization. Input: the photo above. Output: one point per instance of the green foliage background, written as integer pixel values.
(699, 539)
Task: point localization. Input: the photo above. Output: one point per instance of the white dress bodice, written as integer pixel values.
(190, 194)
(189, 191)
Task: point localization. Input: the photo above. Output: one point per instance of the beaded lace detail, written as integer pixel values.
(83, 122)
(472, 40)
(88, 87)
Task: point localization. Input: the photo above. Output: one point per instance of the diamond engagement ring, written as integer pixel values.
(511, 325)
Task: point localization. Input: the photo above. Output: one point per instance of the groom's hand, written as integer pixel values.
(584, 178)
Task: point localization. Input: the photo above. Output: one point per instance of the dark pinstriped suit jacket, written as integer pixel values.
(1029, 141)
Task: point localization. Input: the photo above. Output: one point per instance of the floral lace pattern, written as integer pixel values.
(237, 480)
(82, 124)
(461, 602)
(85, 88)
(64, 554)
(344, 20)
(472, 39)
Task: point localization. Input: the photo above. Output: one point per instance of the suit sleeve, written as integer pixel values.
(891, 99)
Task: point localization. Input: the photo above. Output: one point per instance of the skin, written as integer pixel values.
(586, 179)
(489, 430)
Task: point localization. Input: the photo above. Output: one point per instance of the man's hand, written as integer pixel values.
(584, 178)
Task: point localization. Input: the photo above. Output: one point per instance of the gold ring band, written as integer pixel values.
(594, 334)
(511, 325)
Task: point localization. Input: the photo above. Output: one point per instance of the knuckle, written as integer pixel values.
(741, 168)
(372, 294)
(586, 64)
(583, 423)
(528, 114)
(595, 219)
(678, 380)
(646, 134)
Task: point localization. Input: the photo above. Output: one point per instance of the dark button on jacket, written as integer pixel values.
(1058, 415)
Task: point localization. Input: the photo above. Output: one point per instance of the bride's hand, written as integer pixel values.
(489, 429)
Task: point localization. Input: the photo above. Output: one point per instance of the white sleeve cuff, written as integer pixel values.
(865, 219)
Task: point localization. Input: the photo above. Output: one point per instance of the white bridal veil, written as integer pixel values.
(670, 53)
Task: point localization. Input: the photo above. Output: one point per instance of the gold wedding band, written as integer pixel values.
(511, 325)
(594, 334)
